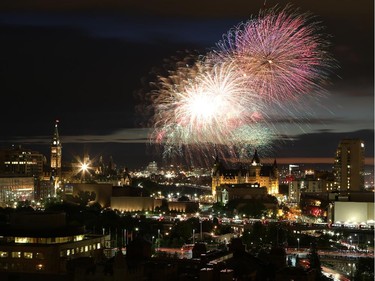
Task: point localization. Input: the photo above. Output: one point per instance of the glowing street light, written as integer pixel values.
(84, 167)
(158, 242)
(200, 221)
(297, 244)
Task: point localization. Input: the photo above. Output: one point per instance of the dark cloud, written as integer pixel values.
(308, 146)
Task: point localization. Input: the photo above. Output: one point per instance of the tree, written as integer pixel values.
(254, 209)
(365, 270)
(218, 207)
(183, 230)
(183, 198)
(314, 259)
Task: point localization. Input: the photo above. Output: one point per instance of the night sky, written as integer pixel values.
(86, 64)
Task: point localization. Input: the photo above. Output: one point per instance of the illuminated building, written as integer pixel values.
(227, 192)
(312, 182)
(256, 173)
(152, 167)
(42, 243)
(16, 188)
(56, 153)
(20, 171)
(349, 165)
(353, 213)
(20, 161)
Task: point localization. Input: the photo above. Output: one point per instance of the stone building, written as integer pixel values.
(256, 173)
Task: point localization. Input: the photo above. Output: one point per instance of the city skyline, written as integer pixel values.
(84, 65)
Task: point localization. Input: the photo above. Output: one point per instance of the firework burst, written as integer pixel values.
(209, 107)
(282, 53)
(222, 103)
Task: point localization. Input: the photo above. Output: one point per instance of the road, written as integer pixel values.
(337, 276)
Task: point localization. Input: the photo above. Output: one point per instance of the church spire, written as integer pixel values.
(256, 160)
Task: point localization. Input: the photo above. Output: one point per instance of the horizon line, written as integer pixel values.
(310, 160)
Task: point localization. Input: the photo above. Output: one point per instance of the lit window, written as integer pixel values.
(21, 240)
(39, 267)
(86, 248)
(39, 256)
(3, 254)
(16, 255)
(68, 252)
(98, 246)
(28, 255)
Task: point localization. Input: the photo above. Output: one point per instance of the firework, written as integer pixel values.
(282, 53)
(223, 102)
(204, 106)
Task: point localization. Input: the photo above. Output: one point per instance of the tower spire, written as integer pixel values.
(56, 153)
(56, 138)
(256, 159)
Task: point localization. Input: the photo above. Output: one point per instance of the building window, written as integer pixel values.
(98, 246)
(39, 256)
(3, 254)
(16, 255)
(28, 255)
(21, 240)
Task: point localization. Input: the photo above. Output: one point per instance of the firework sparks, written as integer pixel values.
(282, 53)
(206, 108)
(225, 99)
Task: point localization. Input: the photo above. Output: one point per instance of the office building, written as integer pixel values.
(19, 161)
(43, 243)
(349, 165)
(16, 188)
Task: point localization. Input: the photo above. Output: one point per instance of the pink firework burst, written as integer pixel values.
(282, 53)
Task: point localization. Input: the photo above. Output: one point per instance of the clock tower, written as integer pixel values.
(56, 153)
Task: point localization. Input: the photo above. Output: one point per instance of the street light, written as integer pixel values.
(297, 244)
(194, 236)
(200, 221)
(158, 243)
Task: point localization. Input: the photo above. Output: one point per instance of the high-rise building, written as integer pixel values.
(56, 153)
(20, 161)
(349, 165)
